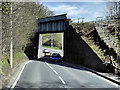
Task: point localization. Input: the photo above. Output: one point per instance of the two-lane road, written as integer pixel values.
(39, 74)
(54, 51)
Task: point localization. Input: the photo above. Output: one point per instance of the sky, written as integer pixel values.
(87, 10)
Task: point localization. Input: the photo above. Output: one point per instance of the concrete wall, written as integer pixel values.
(40, 52)
(77, 51)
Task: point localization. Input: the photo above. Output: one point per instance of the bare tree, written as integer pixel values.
(24, 19)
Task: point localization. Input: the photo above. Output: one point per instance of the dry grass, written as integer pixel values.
(95, 48)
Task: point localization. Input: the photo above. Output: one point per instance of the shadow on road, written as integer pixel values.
(62, 63)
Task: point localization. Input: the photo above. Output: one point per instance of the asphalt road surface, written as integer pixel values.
(38, 74)
(44, 74)
(54, 51)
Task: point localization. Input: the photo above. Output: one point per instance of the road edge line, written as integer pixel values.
(95, 72)
(15, 82)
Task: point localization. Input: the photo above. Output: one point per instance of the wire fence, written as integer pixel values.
(112, 40)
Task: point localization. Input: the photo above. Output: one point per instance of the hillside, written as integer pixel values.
(89, 34)
(18, 29)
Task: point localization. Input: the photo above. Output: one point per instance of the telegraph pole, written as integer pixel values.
(1, 57)
(81, 19)
(78, 20)
(51, 39)
(11, 42)
(119, 9)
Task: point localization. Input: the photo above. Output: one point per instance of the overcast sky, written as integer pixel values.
(88, 10)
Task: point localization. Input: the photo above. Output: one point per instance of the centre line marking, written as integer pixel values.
(14, 84)
(55, 72)
(50, 67)
(61, 80)
(47, 64)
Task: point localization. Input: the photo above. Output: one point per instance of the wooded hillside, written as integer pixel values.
(24, 16)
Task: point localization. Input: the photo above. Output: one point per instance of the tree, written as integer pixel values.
(24, 19)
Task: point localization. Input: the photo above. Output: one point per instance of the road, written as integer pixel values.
(40, 74)
(53, 51)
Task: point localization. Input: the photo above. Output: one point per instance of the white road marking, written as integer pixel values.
(50, 67)
(62, 80)
(104, 79)
(96, 75)
(19, 76)
(55, 72)
(47, 63)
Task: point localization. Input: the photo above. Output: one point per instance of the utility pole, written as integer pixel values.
(11, 42)
(51, 39)
(81, 19)
(0, 36)
(78, 20)
(119, 10)
(99, 20)
(1, 57)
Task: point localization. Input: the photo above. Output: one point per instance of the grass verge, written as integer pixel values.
(52, 47)
(7, 71)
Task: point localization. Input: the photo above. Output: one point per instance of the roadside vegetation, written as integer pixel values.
(7, 72)
(52, 47)
(88, 33)
(57, 40)
(24, 26)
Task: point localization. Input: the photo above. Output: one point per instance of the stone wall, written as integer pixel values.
(77, 51)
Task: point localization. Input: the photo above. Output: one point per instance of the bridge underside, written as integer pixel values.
(50, 32)
(54, 24)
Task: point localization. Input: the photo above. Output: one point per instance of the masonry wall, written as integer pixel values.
(77, 51)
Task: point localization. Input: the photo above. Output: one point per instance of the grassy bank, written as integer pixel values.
(0, 67)
(52, 47)
(7, 72)
(6, 61)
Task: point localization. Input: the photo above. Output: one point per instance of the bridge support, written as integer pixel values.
(40, 46)
(77, 51)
